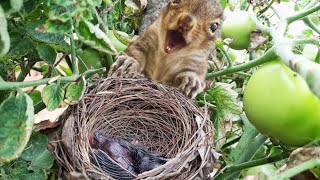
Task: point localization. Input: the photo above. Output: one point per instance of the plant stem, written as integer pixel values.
(309, 23)
(267, 56)
(75, 69)
(259, 25)
(103, 26)
(11, 85)
(266, 8)
(314, 162)
(226, 55)
(306, 41)
(311, 4)
(302, 14)
(276, 12)
(258, 162)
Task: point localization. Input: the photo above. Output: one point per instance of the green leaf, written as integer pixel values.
(47, 54)
(20, 46)
(16, 121)
(226, 98)
(44, 160)
(3, 72)
(36, 145)
(94, 37)
(4, 35)
(38, 174)
(227, 110)
(223, 3)
(16, 5)
(94, 2)
(37, 100)
(58, 26)
(66, 70)
(52, 96)
(36, 30)
(75, 91)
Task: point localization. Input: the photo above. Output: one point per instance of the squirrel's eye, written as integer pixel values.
(176, 1)
(214, 27)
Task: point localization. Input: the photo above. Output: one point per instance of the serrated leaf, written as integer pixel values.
(44, 160)
(36, 30)
(47, 53)
(228, 107)
(36, 145)
(4, 35)
(38, 174)
(16, 121)
(20, 47)
(75, 91)
(226, 98)
(37, 100)
(66, 70)
(94, 37)
(52, 96)
(58, 26)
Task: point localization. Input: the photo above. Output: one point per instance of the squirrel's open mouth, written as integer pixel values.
(174, 41)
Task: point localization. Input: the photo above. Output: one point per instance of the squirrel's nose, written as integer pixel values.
(186, 22)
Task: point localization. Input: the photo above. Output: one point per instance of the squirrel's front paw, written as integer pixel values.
(189, 84)
(124, 66)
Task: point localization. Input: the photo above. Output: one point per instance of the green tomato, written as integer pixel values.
(91, 58)
(238, 27)
(279, 103)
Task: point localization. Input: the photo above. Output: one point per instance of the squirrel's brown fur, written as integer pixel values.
(175, 48)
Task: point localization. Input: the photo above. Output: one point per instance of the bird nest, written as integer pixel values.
(158, 117)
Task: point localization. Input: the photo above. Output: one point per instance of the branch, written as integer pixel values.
(259, 25)
(314, 162)
(258, 162)
(11, 85)
(225, 54)
(302, 14)
(313, 41)
(75, 69)
(309, 23)
(267, 56)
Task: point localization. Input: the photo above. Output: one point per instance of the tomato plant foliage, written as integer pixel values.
(66, 42)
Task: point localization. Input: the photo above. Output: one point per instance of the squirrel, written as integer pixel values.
(175, 48)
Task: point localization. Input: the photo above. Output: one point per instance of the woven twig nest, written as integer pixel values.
(159, 117)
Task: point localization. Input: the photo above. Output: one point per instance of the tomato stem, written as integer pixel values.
(309, 23)
(267, 56)
(75, 69)
(10, 85)
(314, 162)
(225, 54)
(302, 14)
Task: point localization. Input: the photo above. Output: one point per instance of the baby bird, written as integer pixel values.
(121, 158)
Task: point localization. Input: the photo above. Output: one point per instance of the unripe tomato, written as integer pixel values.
(238, 27)
(91, 58)
(279, 103)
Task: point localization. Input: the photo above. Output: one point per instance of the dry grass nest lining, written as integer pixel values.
(159, 117)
